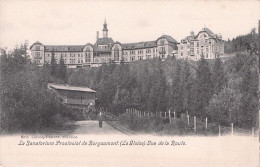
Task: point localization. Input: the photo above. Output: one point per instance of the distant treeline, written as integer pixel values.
(224, 92)
(242, 43)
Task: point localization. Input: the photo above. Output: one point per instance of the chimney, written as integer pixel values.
(97, 35)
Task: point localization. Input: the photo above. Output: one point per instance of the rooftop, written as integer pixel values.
(64, 48)
(70, 87)
(147, 44)
(168, 38)
(104, 41)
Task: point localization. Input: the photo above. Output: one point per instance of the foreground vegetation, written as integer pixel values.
(225, 92)
(27, 105)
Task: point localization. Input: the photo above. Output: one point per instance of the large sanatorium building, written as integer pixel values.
(106, 50)
(205, 43)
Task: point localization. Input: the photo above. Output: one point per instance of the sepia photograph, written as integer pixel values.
(129, 83)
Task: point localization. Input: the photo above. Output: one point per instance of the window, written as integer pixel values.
(37, 48)
(162, 42)
(162, 50)
(116, 54)
(38, 55)
(198, 44)
(192, 50)
(88, 56)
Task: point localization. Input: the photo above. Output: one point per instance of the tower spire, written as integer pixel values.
(105, 30)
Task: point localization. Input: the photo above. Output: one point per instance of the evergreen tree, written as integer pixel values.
(62, 70)
(53, 64)
(176, 90)
(186, 82)
(153, 99)
(218, 76)
(249, 89)
(204, 87)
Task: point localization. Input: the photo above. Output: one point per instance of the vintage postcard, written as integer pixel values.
(129, 83)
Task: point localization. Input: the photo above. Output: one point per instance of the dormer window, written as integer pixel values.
(162, 42)
(37, 47)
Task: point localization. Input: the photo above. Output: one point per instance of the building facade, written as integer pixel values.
(104, 50)
(205, 43)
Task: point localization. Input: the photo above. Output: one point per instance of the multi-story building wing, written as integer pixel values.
(104, 50)
(205, 43)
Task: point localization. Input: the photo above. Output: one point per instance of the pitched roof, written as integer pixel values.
(138, 45)
(208, 31)
(70, 87)
(117, 42)
(64, 48)
(89, 44)
(37, 42)
(188, 38)
(104, 41)
(168, 38)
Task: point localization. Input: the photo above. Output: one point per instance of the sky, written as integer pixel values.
(68, 22)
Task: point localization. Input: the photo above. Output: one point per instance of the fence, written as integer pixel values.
(192, 121)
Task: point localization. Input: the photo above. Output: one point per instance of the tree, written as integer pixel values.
(54, 66)
(224, 107)
(249, 89)
(177, 90)
(62, 71)
(186, 82)
(204, 86)
(218, 76)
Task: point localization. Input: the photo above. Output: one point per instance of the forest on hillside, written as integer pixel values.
(242, 43)
(224, 92)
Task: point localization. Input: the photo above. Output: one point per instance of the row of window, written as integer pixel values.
(132, 52)
(131, 58)
(64, 54)
(191, 44)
